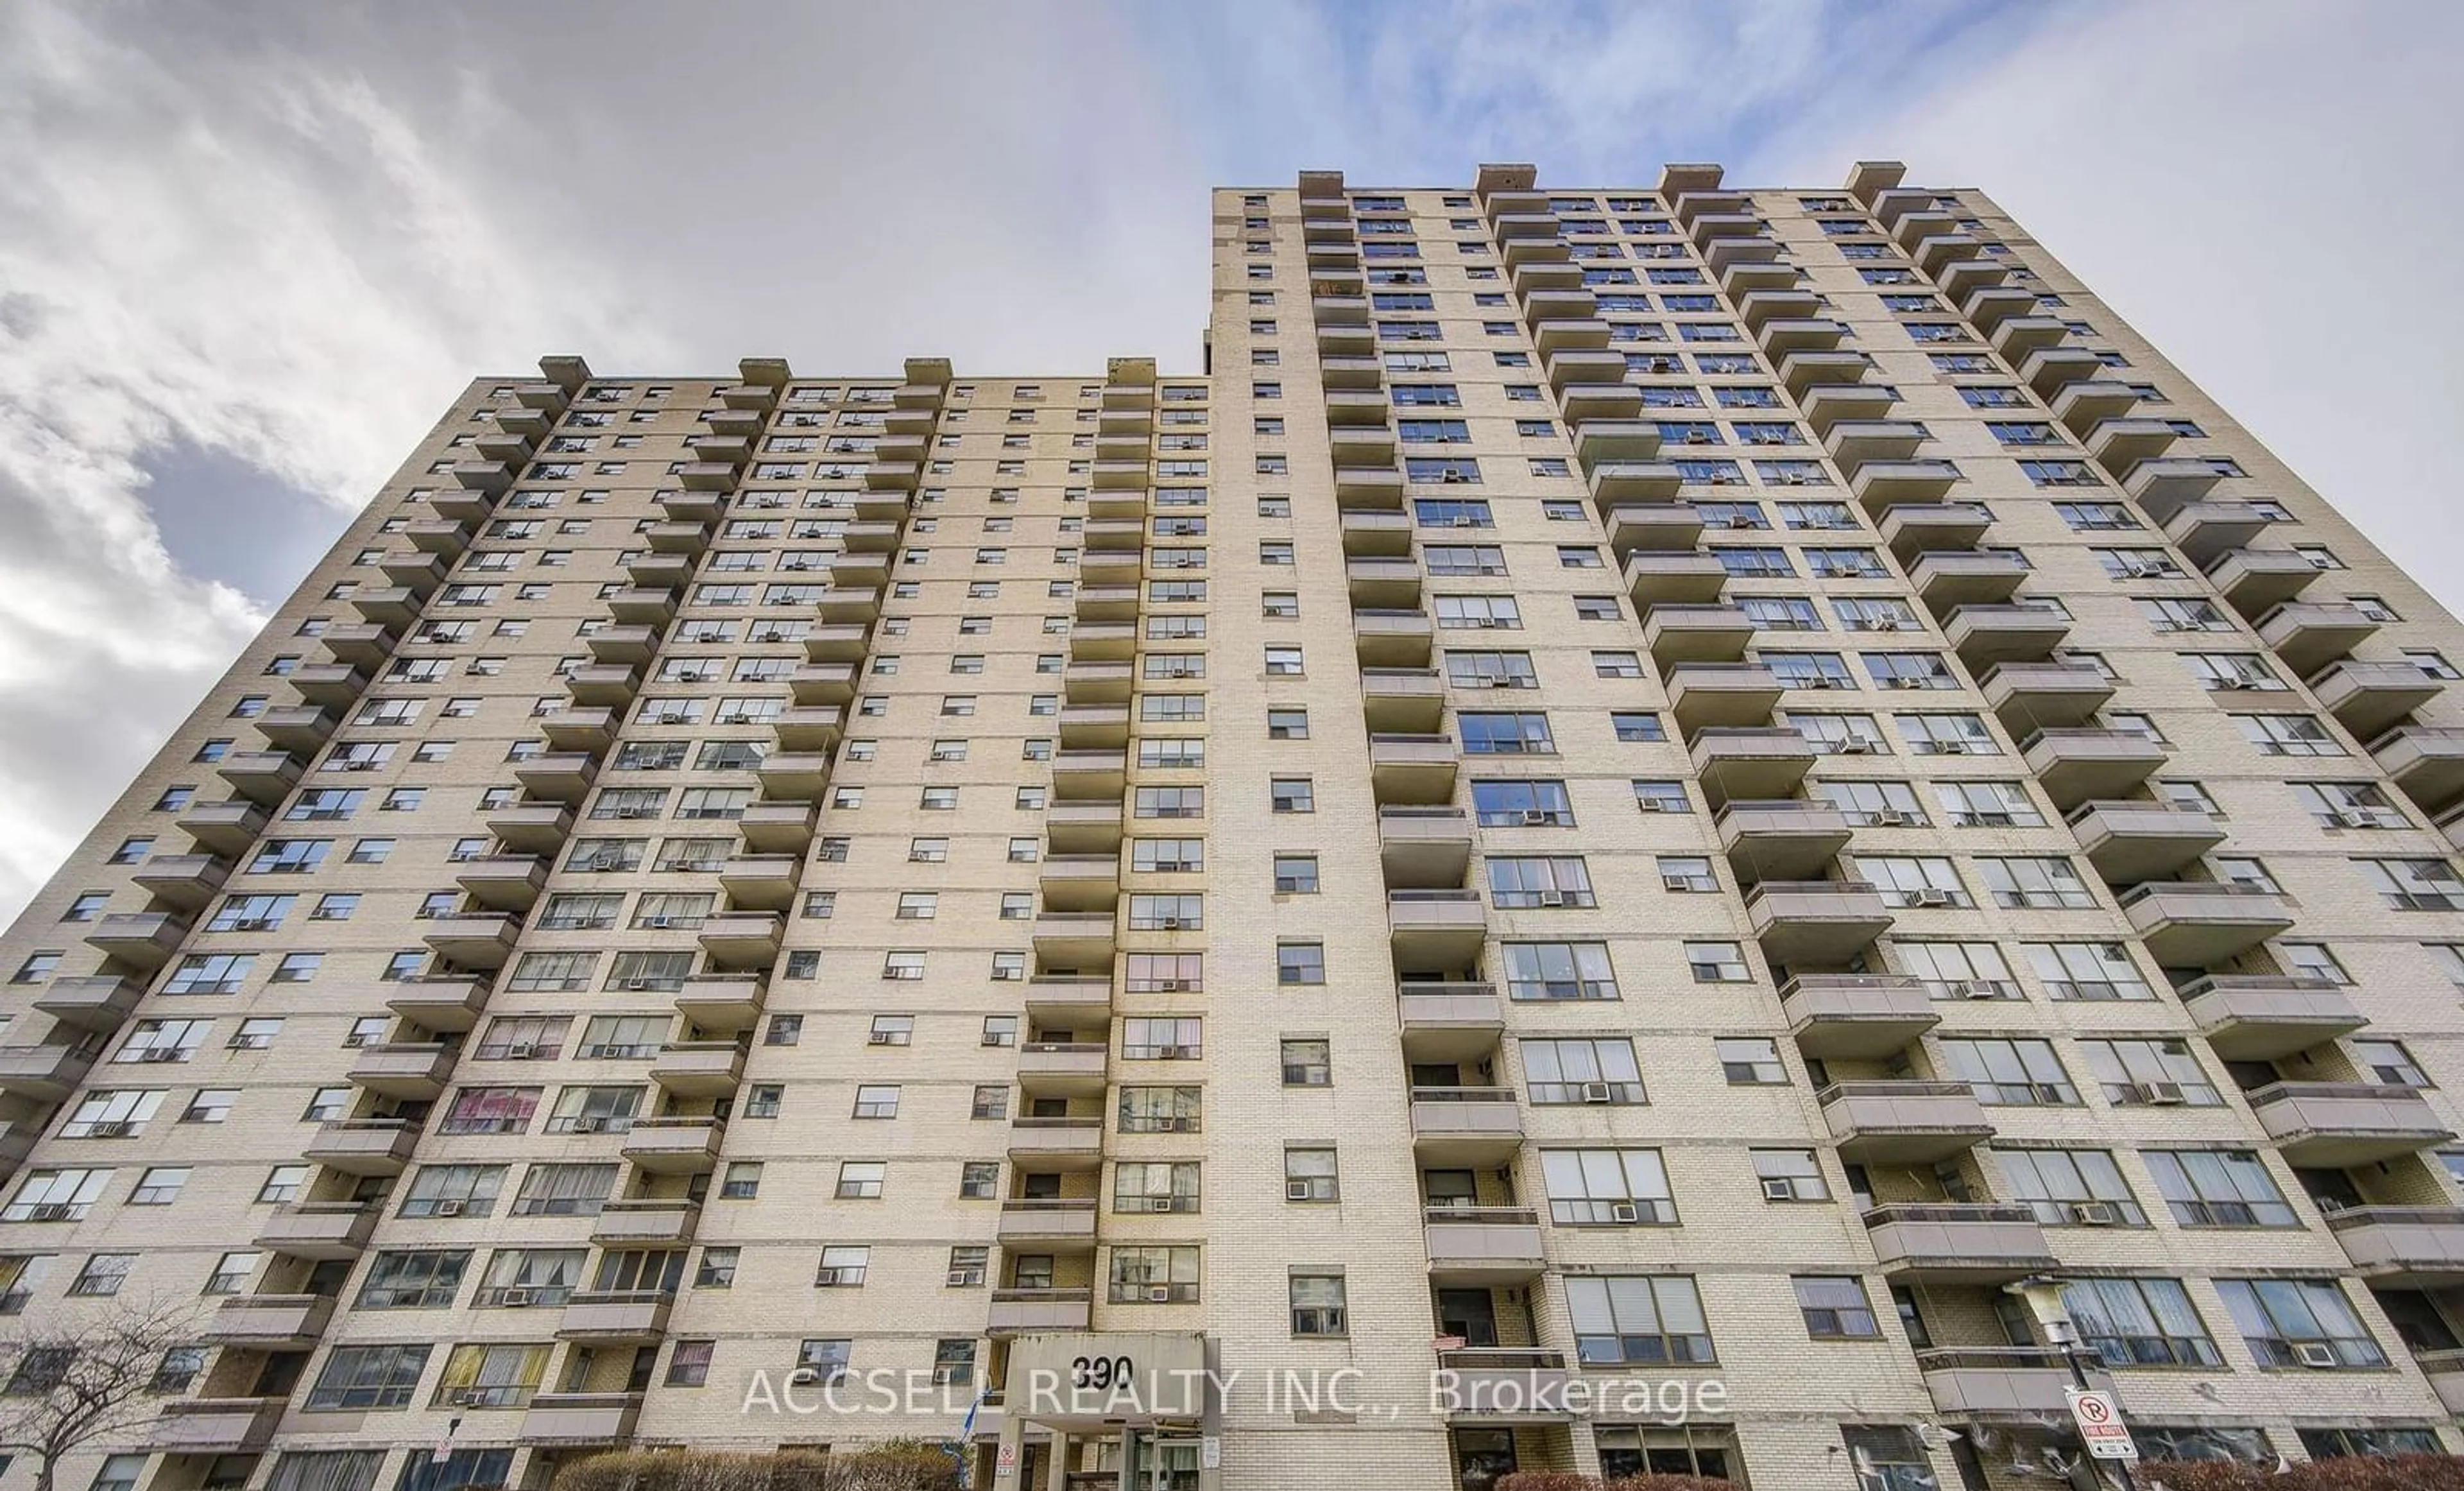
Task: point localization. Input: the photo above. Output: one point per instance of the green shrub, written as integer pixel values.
(896, 1465)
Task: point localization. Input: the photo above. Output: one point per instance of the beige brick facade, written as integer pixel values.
(1879, 790)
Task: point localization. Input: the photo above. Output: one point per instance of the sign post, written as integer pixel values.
(2099, 1425)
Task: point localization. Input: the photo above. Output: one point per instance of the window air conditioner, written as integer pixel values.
(1160, 1294)
(829, 1278)
(1552, 898)
(1624, 1214)
(1976, 989)
(1675, 882)
(584, 1125)
(444, 1208)
(1930, 896)
(1778, 1187)
(120, 1128)
(962, 1279)
(2162, 1094)
(2093, 1214)
(160, 1054)
(880, 1038)
(1599, 1092)
(1536, 817)
(2314, 1354)
(512, 1299)
(521, 1051)
(1296, 1191)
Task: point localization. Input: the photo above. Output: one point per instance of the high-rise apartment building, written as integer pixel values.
(1642, 802)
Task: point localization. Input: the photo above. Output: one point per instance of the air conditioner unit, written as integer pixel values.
(1778, 1187)
(2093, 1214)
(1675, 882)
(2314, 1354)
(881, 1038)
(1885, 624)
(673, 717)
(829, 1277)
(1624, 1212)
(584, 1125)
(513, 1299)
(1908, 683)
(1168, 924)
(2162, 1094)
(160, 1054)
(1651, 804)
(120, 1128)
(444, 1208)
(1599, 1092)
(2355, 820)
(962, 1279)
(1892, 818)
(1160, 1294)
(1930, 896)
(1856, 747)
(1552, 898)
(1976, 989)
(521, 1051)
(1534, 817)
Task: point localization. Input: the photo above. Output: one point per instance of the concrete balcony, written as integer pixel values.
(1067, 1069)
(2398, 1247)
(1781, 338)
(1423, 848)
(186, 882)
(503, 882)
(1368, 487)
(1392, 638)
(632, 644)
(781, 826)
(1946, 578)
(1356, 407)
(386, 605)
(2204, 531)
(362, 1146)
(140, 939)
(1507, 1387)
(741, 938)
(658, 571)
(798, 775)
(2371, 698)
(846, 642)
(634, 1224)
(473, 939)
(1883, 484)
(1069, 1001)
(2427, 762)
(1056, 1144)
(571, 730)
(610, 684)
(808, 728)
(632, 1317)
(1080, 777)
(1362, 445)
(1675, 633)
(1048, 1226)
(413, 1072)
(2031, 696)
(1831, 405)
(100, 1002)
(1958, 1244)
(1652, 527)
(1383, 583)
(225, 828)
(1104, 642)
(2335, 1126)
(1745, 276)
(1597, 441)
(1571, 334)
(1780, 839)
(830, 683)
(1720, 695)
(560, 777)
(1999, 1384)
(1080, 882)
(1815, 921)
(1413, 769)
(1037, 1311)
(440, 1003)
(327, 685)
(2120, 444)
(297, 728)
(2444, 1371)
(1449, 1022)
(1370, 535)
(323, 1230)
(1352, 372)
(1403, 700)
(870, 538)
(1759, 309)
(1635, 482)
(1596, 401)
(647, 605)
(1481, 1128)
(1903, 1121)
(1101, 682)
(268, 1321)
(723, 1003)
(1855, 443)
(2128, 842)
(675, 1145)
(1094, 726)
(2264, 1018)
(2084, 405)
(1074, 938)
(2022, 337)
(1106, 602)
(575, 1420)
(1760, 763)
(44, 1074)
(1690, 579)
(2162, 488)
(2074, 766)
(1477, 1247)
(2310, 637)
(692, 506)
(2195, 925)
(489, 477)
(699, 1068)
(759, 883)
(214, 1426)
(1988, 309)
(261, 776)
(1436, 928)
(1854, 1016)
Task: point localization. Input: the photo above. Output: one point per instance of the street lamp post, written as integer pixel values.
(2043, 1298)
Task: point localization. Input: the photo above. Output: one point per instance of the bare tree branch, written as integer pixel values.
(88, 1373)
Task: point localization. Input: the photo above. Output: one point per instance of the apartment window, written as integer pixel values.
(689, 1362)
(1834, 1308)
(1292, 794)
(2414, 884)
(1154, 1276)
(1526, 803)
(1317, 1305)
(1162, 1039)
(1581, 1070)
(861, 1180)
(2218, 1188)
(1554, 881)
(371, 1377)
(1308, 1062)
(2388, 1062)
(2299, 1322)
(2070, 1186)
(2009, 1072)
(1487, 733)
(1300, 963)
(1909, 880)
(1288, 725)
(2035, 881)
(1296, 875)
(1607, 1187)
(2087, 971)
(2288, 735)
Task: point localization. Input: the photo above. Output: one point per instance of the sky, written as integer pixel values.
(248, 252)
